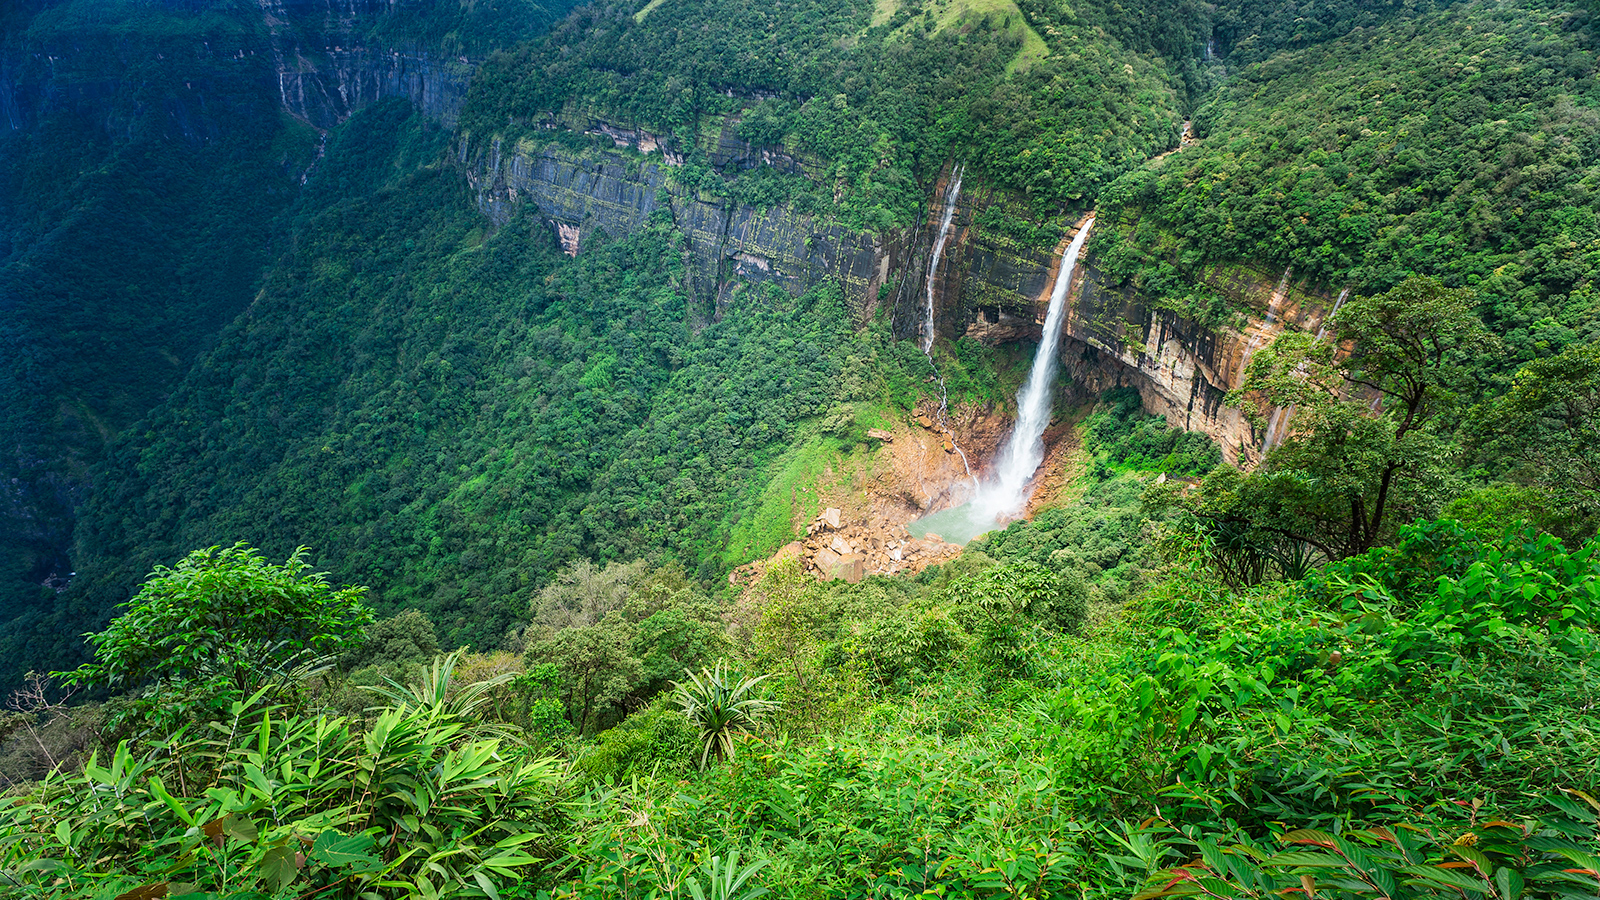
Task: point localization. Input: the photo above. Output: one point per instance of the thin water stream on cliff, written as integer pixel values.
(1005, 492)
(939, 241)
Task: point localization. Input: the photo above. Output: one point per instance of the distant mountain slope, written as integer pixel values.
(449, 411)
(449, 416)
(1463, 144)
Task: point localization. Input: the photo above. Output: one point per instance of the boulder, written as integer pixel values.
(881, 435)
(791, 550)
(851, 568)
(840, 545)
(830, 518)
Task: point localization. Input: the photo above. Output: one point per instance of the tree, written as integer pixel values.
(224, 615)
(1550, 419)
(1365, 447)
(407, 636)
(1005, 607)
(597, 671)
(618, 634)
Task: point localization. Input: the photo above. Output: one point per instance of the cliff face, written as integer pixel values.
(193, 81)
(1182, 369)
(988, 286)
(200, 72)
(582, 194)
(328, 65)
(1113, 337)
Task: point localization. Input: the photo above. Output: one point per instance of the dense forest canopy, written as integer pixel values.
(1461, 144)
(425, 550)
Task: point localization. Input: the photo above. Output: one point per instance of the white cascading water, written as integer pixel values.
(938, 251)
(946, 218)
(1006, 491)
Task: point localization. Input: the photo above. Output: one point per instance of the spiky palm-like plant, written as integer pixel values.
(437, 694)
(721, 706)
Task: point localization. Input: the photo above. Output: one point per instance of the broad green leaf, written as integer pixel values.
(280, 866)
(334, 849)
(1508, 882)
(1447, 877)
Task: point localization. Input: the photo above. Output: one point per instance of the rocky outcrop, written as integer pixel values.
(1115, 338)
(1182, 369)
(614, 191)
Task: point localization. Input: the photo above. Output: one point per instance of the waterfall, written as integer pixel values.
(1006, 491)
(1278, 294)
(1327, 320)
(938, 252)
(943, 237)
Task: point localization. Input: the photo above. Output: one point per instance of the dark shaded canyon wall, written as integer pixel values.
(328, 65)
(319, 60)
(192, 83)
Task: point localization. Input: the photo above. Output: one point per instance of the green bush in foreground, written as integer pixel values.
(1490, 858)
(274, 804)
(219, 624)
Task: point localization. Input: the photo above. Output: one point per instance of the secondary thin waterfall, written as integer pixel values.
(1280, 416)
(943, 237)
(1006, 491)
(938, 252)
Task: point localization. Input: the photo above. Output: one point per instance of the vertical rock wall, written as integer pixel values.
(1182, 369)
(989, 286)
(327, 67)
(614, 191)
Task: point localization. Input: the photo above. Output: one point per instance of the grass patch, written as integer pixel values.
(769, 518)
(833, 456)
(951, 13)
(639, 16)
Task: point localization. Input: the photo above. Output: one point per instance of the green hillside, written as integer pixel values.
(568, 663)
(1460, 145)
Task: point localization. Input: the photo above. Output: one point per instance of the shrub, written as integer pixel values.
(722, 707)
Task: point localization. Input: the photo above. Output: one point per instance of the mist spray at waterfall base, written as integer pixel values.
(1004, 491)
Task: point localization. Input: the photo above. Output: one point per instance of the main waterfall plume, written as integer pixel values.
(1005, 491)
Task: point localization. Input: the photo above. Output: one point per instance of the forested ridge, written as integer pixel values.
(433, 561)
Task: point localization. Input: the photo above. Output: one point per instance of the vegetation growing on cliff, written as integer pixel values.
(459, 415)
(871, 113)
(1459, 144)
